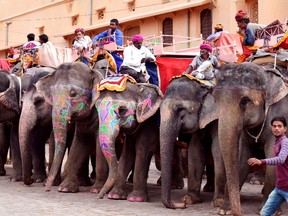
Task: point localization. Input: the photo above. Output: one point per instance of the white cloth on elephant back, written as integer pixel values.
(53, 56)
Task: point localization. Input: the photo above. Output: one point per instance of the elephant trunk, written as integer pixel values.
(230, 127)
(107, 144)
(26, 125)
(60, 136)
(169, 130)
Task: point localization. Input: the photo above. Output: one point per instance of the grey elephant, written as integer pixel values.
(129, 108)
(247, 98)
(68, 91)
(187, 103)
(11, 90)
(35, 127)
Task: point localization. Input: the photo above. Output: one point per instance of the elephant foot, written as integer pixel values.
(208, 187)
(217, 202)
(257, 180)
(15, 178)
(224, 210)
(96, 187)
(137, 196)
(117, 194)
(68, 187)
(38, 178)
(190, 199)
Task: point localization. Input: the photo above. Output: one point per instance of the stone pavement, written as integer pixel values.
(19, 200)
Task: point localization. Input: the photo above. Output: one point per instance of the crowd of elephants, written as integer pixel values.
(65, 107)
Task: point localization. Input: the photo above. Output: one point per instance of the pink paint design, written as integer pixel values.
(130, 112)
(145, 103)
(104, 139)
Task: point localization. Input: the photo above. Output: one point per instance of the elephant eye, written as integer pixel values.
(122, 111)
(244, 101)
(38, 101)
(73, 93)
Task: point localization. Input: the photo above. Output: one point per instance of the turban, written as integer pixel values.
(138, 38)
(218, 26)
(79, 30)
(241, 14)
(206, 47)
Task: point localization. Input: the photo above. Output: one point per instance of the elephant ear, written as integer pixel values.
(149, 100)
(97, 76)
(8, 98)
(43, 86)
(208, 111)
(277, 86)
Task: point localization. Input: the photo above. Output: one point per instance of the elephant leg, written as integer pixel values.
(220, 176)
(125, 166)
(102, 169)
(38, 143)
(78, 154)
(145, 146)
(177, 169)
(4, 147)
(196, 164)
(15, 150)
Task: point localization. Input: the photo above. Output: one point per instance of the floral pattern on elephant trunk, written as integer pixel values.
(109, 117)
(64, 105)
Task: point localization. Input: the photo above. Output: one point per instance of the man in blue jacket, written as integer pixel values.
(112, 34)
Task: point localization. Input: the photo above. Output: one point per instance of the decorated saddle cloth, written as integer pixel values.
(115, 82)
(207, 83)
(108, 56)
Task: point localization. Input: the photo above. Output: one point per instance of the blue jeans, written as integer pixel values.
(274, 201)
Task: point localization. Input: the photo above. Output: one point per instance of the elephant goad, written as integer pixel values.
(248, 97)
(187, 104)
(131, 110)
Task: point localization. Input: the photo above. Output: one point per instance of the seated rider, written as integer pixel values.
(135, 57)
(203, 65)
(112, 32)
(82, 44)
(218, 30)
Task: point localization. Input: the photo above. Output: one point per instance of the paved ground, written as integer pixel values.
(17, 199)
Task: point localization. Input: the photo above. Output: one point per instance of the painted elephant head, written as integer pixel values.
(184, 100)
(69, 91)
(123, 110)
(243, 94)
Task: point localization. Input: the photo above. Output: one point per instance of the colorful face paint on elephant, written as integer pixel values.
(108, 111)
(70, 100)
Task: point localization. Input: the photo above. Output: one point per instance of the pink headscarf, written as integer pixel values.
(137, 37)
(206, 46)
(79, 30)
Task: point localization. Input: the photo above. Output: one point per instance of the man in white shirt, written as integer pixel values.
(82, 42)
(135, 57)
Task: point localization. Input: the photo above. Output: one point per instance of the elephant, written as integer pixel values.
(247, 97)
(11, 90)
(186, 105)
(68, 91)
(35, 128)
(130, 110)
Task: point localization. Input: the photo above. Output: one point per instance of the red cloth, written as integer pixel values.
(169, 67)
(4, 64)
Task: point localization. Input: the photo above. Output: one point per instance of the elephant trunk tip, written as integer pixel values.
(169, 204)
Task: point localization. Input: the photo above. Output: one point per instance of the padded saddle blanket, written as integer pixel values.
(206, 83)
(115, 82)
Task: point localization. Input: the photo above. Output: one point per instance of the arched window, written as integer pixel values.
(167, 29)
(206, 23)
(253, 11)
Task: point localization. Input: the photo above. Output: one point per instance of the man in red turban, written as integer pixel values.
(203, 65)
